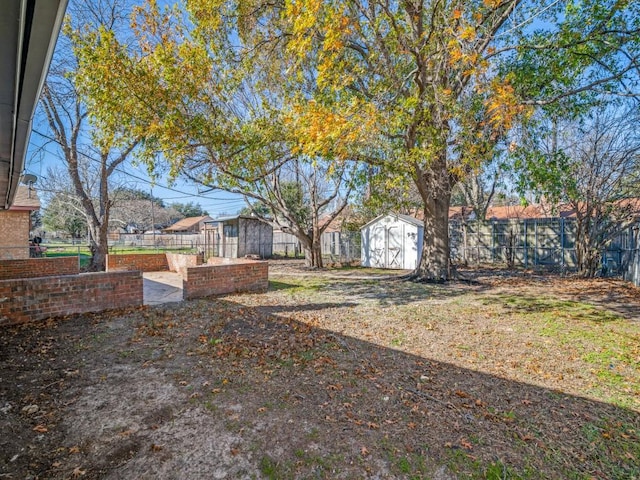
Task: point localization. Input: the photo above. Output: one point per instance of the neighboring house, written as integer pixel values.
(15, 224)
(512, 212)
(238, 236)
(189, 225)
(392, 241)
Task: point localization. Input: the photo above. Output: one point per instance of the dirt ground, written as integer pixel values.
(342, 373)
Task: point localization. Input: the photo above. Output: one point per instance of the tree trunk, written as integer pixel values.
(434, 262)
(587, 251)
(587, 259)
(434, 184)
(99, 247)
(313, 254)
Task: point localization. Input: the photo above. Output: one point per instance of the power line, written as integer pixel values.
(129, 174)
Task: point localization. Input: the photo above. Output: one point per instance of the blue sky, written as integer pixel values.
(43, 154)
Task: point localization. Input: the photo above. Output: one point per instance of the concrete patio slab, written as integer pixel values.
(162, 287)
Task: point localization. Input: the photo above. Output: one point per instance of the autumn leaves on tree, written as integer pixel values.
(424, 91)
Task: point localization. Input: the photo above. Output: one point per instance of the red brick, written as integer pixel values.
(220, 277)
(67, 294)
(147, 262)
(38, 267)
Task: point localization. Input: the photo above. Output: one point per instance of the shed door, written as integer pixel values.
(394, 247)
(377, 246)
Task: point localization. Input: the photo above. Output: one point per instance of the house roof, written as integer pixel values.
(28, 33)
(26, 199)
(336, 224)
(506, 212)
(515, 212)
(187, 223)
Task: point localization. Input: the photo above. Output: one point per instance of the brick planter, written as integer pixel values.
(179, 262)
(222, 276)
(143, 262)
(38, 267)
(28, 299)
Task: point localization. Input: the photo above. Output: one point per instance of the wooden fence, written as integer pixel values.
(536, 242)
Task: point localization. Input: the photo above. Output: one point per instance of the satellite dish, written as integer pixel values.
(29, 179)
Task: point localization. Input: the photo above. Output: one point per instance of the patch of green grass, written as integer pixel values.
(561, 309)
(314, 434)
(468, 466)
(499, 471)
(399, 340)
(269, 468)
(294, 285)
(614, 445)
(365, 270)
(605, 341)
(210, 406)
(275, 285)
(317, 463)
(403, 465)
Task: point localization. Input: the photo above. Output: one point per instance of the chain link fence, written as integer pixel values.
(337, 247)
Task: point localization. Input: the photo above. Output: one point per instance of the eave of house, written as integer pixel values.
(28, 33)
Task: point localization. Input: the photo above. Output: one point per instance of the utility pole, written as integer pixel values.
(153, 219)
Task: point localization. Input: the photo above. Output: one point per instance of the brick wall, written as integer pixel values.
(220, 277)
(38, 267)
(14, 241)
(28, 299)
(144, 262)
(178, 262)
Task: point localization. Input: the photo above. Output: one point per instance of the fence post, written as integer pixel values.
(464, 241)
(562, 243)
(526, 244)
(535, 241)
(493, 241)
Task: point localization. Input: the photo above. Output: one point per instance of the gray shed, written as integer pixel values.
(392, 241)
(238, 236)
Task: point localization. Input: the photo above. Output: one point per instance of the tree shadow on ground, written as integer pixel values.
(389, 292)
(545, 304)
(217, 386)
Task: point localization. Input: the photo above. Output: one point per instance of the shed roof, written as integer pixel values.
(232, 217)
(400, 216)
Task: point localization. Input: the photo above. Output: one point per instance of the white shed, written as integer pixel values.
(392, 241)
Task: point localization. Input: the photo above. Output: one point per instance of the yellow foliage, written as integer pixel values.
(455, 55)
(468, 33)
(503, 105)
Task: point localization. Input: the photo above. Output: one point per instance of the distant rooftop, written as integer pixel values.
(187, 223)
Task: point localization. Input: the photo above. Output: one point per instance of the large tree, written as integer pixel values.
(63, 211)
(190, 209)
(592, 164)
(140, 210)
(447, 79)
(69, 127)
(301, 198)
(221, 110)
(423, 87)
